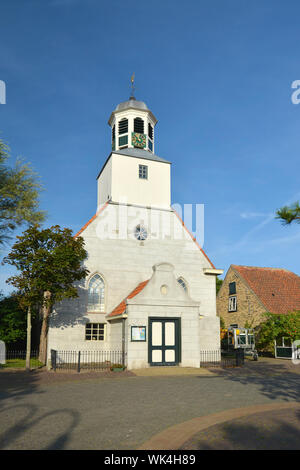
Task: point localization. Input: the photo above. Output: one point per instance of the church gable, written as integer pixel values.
(162, 289)
(148, 273)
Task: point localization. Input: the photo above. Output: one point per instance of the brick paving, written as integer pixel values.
(269, 430)
(92, 410)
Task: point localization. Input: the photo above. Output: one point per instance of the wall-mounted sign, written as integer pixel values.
(138, 333)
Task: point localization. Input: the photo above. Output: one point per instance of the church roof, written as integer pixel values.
(140, 153)
(121, 308)
(132, 103)
(277, 289)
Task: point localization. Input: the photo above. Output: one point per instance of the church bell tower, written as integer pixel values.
(133, 172)
(132, 125)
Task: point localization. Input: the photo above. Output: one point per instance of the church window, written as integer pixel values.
(143, 172)
(182, 283)
(150, 145)
(96, 290)
(232, 305)
(123, 126)
(139, 125)
(140, 233)
(95, 332)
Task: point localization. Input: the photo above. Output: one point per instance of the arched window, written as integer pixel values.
(183, 284)
(96, 290)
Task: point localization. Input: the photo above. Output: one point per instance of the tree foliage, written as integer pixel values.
(277, 327)
(12, 319)
(219, 283)
(289, 214)
(49, 262)
(19, 195)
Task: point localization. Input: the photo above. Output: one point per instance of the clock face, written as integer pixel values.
(140, 232)
(138, 140)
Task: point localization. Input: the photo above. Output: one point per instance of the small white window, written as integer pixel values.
(95, 332)
(232, 306)
(143, 172)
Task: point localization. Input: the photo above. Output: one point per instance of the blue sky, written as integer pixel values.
(217, 74)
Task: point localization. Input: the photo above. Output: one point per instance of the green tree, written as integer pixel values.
(12, 319)
(277, 327)
(19, 195)
(219, 283)
(50, 263)
(289, 214)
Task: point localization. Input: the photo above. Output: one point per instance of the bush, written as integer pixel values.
(275, 327)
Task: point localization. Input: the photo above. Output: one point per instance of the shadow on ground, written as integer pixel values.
(273, 430)
(277, 381)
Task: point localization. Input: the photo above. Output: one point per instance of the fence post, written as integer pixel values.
(78, 364)
(53, 359)
(239, 355)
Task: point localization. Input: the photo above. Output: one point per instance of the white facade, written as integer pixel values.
(123, 260)
(119, 182)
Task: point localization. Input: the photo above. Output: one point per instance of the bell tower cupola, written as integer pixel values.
(132, 125)
(133, 174)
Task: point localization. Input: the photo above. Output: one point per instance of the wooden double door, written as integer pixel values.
(164, 341)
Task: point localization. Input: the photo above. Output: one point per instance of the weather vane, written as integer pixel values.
(132, 86)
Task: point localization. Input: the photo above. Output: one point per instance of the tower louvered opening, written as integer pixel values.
(123, 126)
(150, 131)
(139, 125)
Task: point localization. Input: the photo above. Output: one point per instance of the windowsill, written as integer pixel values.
(96, 312)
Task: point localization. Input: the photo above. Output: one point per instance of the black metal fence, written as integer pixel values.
(87, 360)
(216, 358)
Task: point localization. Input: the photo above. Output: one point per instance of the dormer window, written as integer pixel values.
(139, 125)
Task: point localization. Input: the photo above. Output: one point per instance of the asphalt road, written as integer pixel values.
(122, 413)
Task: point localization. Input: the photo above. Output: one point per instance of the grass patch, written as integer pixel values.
(21, 364)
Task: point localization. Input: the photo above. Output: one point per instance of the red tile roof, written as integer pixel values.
(120, 309)
(277, 289)
(91, 220)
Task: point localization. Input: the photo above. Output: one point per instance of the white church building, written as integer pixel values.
(151, 289)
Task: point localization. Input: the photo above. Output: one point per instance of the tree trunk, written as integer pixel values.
(28, 340)
(46, 309)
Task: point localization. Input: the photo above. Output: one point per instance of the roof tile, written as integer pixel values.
(120, 309)
(278, 289)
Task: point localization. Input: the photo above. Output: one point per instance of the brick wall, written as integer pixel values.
(249, 309)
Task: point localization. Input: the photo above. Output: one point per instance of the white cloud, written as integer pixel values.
(251, 215)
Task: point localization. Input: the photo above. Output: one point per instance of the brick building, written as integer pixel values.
(248, 292)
